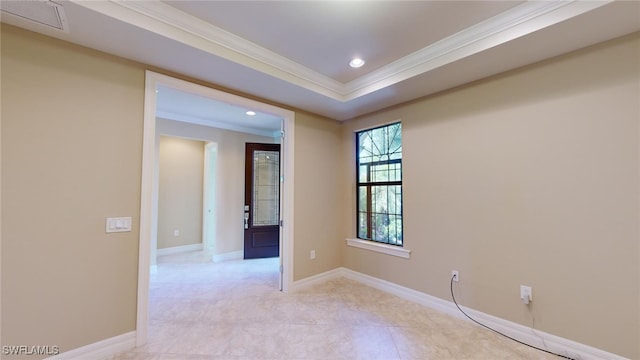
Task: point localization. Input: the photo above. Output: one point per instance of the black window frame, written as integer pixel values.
(368, 184)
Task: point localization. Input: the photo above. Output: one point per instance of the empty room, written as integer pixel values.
(320, 180)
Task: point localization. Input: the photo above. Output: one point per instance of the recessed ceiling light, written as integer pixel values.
(250, 113)
(356, 63)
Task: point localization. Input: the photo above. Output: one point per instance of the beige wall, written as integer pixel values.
(319, 206)
(530, 177)
(71, 157)
(180, 192)
(229, 178)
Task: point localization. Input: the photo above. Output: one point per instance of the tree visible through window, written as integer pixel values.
(379, 174)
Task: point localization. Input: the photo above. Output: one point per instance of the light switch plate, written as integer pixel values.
(119, 224)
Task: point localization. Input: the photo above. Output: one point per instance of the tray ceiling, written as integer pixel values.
(297, 53)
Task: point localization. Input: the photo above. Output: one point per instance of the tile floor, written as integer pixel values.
(232, 310)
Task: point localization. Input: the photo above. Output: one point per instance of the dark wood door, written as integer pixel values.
(262, 201)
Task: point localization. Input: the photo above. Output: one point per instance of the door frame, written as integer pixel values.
(209, 195)
(250, 229)
(149, 194)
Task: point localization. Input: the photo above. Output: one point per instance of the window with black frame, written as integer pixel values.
(379, 184)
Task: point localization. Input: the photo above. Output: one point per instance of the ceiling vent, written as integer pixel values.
(43, 12)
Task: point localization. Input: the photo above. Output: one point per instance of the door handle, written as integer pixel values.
(246, 220)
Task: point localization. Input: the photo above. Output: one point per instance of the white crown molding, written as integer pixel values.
(521, 20)
(167, 21)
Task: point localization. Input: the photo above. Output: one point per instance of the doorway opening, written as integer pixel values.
(149, 183)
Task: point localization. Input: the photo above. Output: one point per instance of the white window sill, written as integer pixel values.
(379, 247)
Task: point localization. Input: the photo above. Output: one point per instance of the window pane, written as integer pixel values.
(362, 225)
(381, 144)
(379, 165)
(266, 188)
(385, 172)
(395, 230)
(386, 203)
(362, 211)
(363, 173)
(380, 173)
(362, 198)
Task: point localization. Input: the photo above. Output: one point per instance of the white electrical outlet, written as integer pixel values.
(176, 232)
(455, 275)
(312, 254)
(526, 294)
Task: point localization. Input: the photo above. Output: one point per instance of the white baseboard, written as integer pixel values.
(316, 279)
(180, 249)
(523, 333)
(100, 350)
(233, 255)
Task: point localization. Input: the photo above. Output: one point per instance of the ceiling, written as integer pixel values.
(296, 53)
(174, 104)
